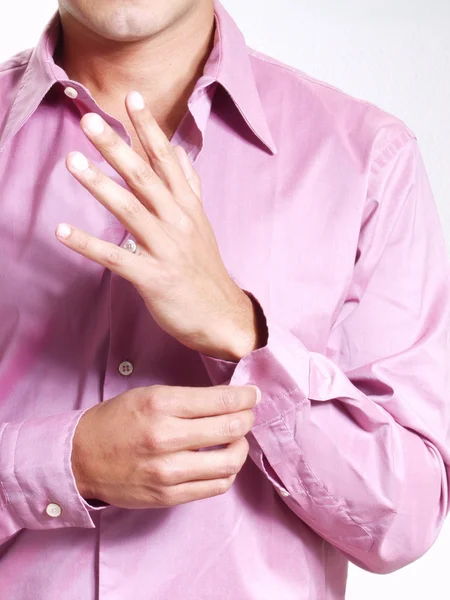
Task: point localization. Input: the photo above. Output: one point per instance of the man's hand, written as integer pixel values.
(139, 449)
(177, 267)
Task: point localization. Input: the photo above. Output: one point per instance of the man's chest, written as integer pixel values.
(283, 228)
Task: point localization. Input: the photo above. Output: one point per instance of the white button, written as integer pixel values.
(130, 245)
(125, 368)
(71, 92)
(53, 510)
(284, 492)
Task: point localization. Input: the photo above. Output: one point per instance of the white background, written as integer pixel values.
(394, 53)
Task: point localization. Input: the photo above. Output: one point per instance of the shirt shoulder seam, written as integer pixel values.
(12, 67)
(390, 150)
(20, 59)
(264, 58)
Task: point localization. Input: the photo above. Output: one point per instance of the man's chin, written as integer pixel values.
(122, 29)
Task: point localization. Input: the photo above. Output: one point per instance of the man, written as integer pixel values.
(286, 239)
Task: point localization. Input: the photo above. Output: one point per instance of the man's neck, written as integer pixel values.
(163, 68)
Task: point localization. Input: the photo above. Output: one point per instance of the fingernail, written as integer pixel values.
(78, 161)
(258, 394)
(136, 101)
(63, 230)
(94, 123)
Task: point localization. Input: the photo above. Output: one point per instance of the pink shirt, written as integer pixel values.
(323, 211)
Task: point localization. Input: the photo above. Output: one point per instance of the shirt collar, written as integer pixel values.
(229, 65)
(37, 80)
(236, 75)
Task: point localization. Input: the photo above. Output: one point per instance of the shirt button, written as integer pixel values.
(130, 245)
(53, 510)
(71, 92)
(125, 368)
(284, 492)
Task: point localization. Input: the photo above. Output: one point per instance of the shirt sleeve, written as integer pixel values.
(35, 472)
(357, 438)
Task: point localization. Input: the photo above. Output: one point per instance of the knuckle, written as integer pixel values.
(152, 439)
(162, 151)
(153, 400)
(143, 174)
(221, 486)
(113, 256)
(167, 497)
(163, 473)
(83, 242)
(185, 224)
(138, 402)
(239, 426)
(234, 464)
(97, 178)
(112, 142)
(145, 400)
(157, 439)
(227, 400)
(235, 427)
(131, 206)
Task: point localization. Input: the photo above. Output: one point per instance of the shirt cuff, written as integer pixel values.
(219, 370)
(279, 368)
(94, 504)
(259, 458)
(37, 483)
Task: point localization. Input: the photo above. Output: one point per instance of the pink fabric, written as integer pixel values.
(323, 211)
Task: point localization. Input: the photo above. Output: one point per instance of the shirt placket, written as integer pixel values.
(133, 334)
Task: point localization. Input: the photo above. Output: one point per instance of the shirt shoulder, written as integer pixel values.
(16, 61)
(12, 71)
(312, 107)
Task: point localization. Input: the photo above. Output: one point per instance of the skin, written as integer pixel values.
(113, 47)
(153, 461)
(154, 46)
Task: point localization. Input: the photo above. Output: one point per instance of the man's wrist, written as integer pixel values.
(81, 484)
(78, 461)
(246, 333)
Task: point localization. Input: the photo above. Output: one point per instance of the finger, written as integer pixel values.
(170, 434)
(194, 402)
(111, 256)
(135, 217)
(138, 174)
(189, 172)
(179, 467)
(158, 148)
(195, 490)
(213, 431)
